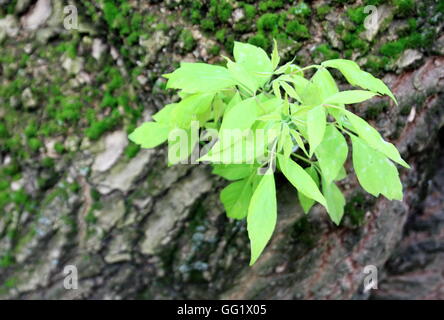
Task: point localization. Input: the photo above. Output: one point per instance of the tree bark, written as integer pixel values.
(161, 232)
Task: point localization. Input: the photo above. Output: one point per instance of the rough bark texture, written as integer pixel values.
(137, 229)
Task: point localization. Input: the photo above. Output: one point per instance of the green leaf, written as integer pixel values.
(243, 77)
(307, 202)
(276, 89)
(199, 77)
(218, 108)
(300, 84)
(164, 115)
(233, 171)
(234, 101)
(286, 68)
(376, 174)
(323, 79)
(236, 198)
(188, 109)
(287, 141)
(237, 147)
(316, 124)
(300, 179)
(181, 144)
(311, 96)
(269, 105)
(332, 153)
(241, 116)
(335, 201)
(298, 139)
(350, 97)
(374, 139)
(356, 77)
(341, 175)
(254, 60)
(150, 134)
(262, 215)
(290, 91)
(275, 59)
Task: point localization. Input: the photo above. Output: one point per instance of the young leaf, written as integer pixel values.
(241, 116)
(245, 79)
(311, 96)
(300, 84)
(356, 77)
(307, 202)
(199, 77)
(150, 134)
(316, 124)
(374, 139)
(300, 179)
(262, 215)
(335, 201)
(332, 153)
(298, 139)
(350, 97)
(376, 174)
(236, 198)
(187, 109)
(277, 89)
(341, 175)
(237, 147)
(275, 59)
(254, 60)
(234, 101)
(323, 79)
(233, 171)
(181, 144)
(164, 115)
(290, 91)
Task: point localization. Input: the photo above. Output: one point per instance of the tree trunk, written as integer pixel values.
(135, 228)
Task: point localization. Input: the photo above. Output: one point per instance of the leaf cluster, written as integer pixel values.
(306, 125)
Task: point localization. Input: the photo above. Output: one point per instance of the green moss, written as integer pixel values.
(47, 162)
(220, 35)
(19, 197)
(3, 130)
(59, 148)
(98, 128)
(355, 209)
(404, 7)
(6, 260)
(224, 10)
(10, 283)
(392, 49)
(356, 15)
(208, 25)
(132, 150)
(189, 43)
(260, 40)
(327, 52)
(374, 111)
(297, 30)
(301, 9)
(414, 40)
(323, 10)
(90, 218)
(376, 64)
(7, 8)
(34, 144)
(305, 232)
(250, 11)
(108, 101)
(268, 22)
(214, 50)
